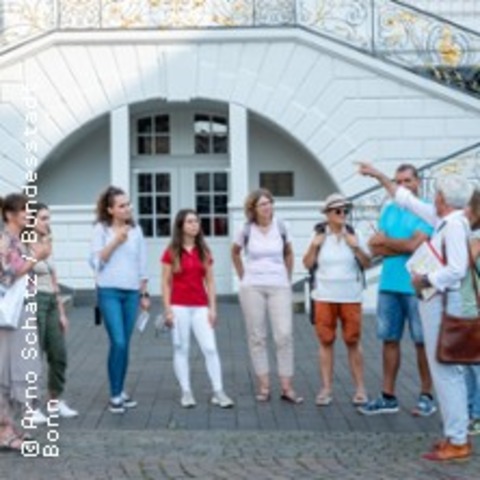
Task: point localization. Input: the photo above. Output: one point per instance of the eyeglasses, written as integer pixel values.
(340, 211)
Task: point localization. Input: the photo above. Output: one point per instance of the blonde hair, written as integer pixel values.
(251, 203)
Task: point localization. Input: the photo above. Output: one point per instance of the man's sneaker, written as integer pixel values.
(474, 427)
(38, 418)
(187, 400)
(116, 405)
(379, 405)
(64, 410)
(128, 402)
(222, 400)
(425, 407)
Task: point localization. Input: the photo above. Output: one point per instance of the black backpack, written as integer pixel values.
(319, 229)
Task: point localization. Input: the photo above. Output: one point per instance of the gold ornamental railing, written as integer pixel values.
(391, 30)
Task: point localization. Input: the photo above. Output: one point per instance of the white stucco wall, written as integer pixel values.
(270, 151)
(78, 173)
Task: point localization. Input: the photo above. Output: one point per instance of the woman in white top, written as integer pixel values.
(338, 255)
(118, 256)
(265, 285)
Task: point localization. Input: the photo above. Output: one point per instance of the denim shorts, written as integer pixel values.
(393, 310)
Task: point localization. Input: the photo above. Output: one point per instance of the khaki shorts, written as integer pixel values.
(326, 316)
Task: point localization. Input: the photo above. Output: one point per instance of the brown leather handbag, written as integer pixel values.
(459, 337)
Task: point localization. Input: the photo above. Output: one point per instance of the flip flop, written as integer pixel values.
(263, 396)
(359, 399)
(291, 397)
(323, 399)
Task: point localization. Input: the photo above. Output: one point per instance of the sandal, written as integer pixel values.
(8, 443)
(359, 399)
(323, 399)
(263, 395)
(291, 397)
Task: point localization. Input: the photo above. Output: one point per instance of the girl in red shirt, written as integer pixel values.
(188, 292)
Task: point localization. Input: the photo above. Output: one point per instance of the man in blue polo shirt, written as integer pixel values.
(400, 233)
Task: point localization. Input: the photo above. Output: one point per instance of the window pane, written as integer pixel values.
(202, 144)
(162, 124)
(220, 144)
(219, 125)
(205, 223)
(202, 124)
(144, 183)
(147, 226)
(220, 204)
(162, 182)
(220, 182)
(203, 204)
(163, 227)
(162, 144)
(145, 206)
(220, 226)
(144, 125)
(144, 145)
(202, 182)
(163, 205)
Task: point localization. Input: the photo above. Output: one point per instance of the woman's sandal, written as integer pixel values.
(360, 399)
(263, 395)
(291, 397)
(323, 399)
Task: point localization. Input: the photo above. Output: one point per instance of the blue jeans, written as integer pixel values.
(472, 376)
(393, 310)
(119, 311)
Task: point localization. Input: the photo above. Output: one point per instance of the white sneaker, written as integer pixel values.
(65, 411)
(128, 402)
(38, 418)
(222, 400)
(187, 400)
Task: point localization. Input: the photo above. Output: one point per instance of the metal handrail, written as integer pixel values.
(391, 30)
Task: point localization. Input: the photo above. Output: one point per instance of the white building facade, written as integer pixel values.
(198, 117)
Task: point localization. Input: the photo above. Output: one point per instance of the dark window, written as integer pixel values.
(279, 183)
(211, 134)
(153, 135)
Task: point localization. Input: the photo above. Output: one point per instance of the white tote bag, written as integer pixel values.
(12, 302)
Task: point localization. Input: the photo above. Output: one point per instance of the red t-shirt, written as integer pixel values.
(188, 285)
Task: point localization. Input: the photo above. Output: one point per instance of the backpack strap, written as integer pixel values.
(247, 227)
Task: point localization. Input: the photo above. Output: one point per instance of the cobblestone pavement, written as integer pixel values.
(160, 440)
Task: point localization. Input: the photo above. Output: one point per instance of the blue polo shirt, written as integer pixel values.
(397, 222)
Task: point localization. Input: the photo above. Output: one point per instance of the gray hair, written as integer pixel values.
(455, 189)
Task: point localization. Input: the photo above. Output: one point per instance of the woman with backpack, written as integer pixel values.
(338, 254)
(265, 286)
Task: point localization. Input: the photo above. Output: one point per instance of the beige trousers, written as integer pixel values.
(255, 302)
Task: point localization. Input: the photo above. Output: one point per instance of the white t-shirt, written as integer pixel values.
(338, 278)
(264, 259)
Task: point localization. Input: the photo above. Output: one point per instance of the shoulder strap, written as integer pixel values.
(246, 234)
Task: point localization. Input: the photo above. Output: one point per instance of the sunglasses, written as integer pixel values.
(340, 211)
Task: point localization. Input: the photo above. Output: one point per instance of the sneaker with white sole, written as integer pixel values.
(187, 400)
(65, 411)
(425, 406)
(474, 427)
(37, 417)
(128, 402)
(379, 405)
(222, 400)
(116, 405)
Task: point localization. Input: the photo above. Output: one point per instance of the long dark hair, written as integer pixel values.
(176, 245)
(12, 203)
(106, 201)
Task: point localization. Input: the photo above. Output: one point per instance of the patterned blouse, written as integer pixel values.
(11, 258)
